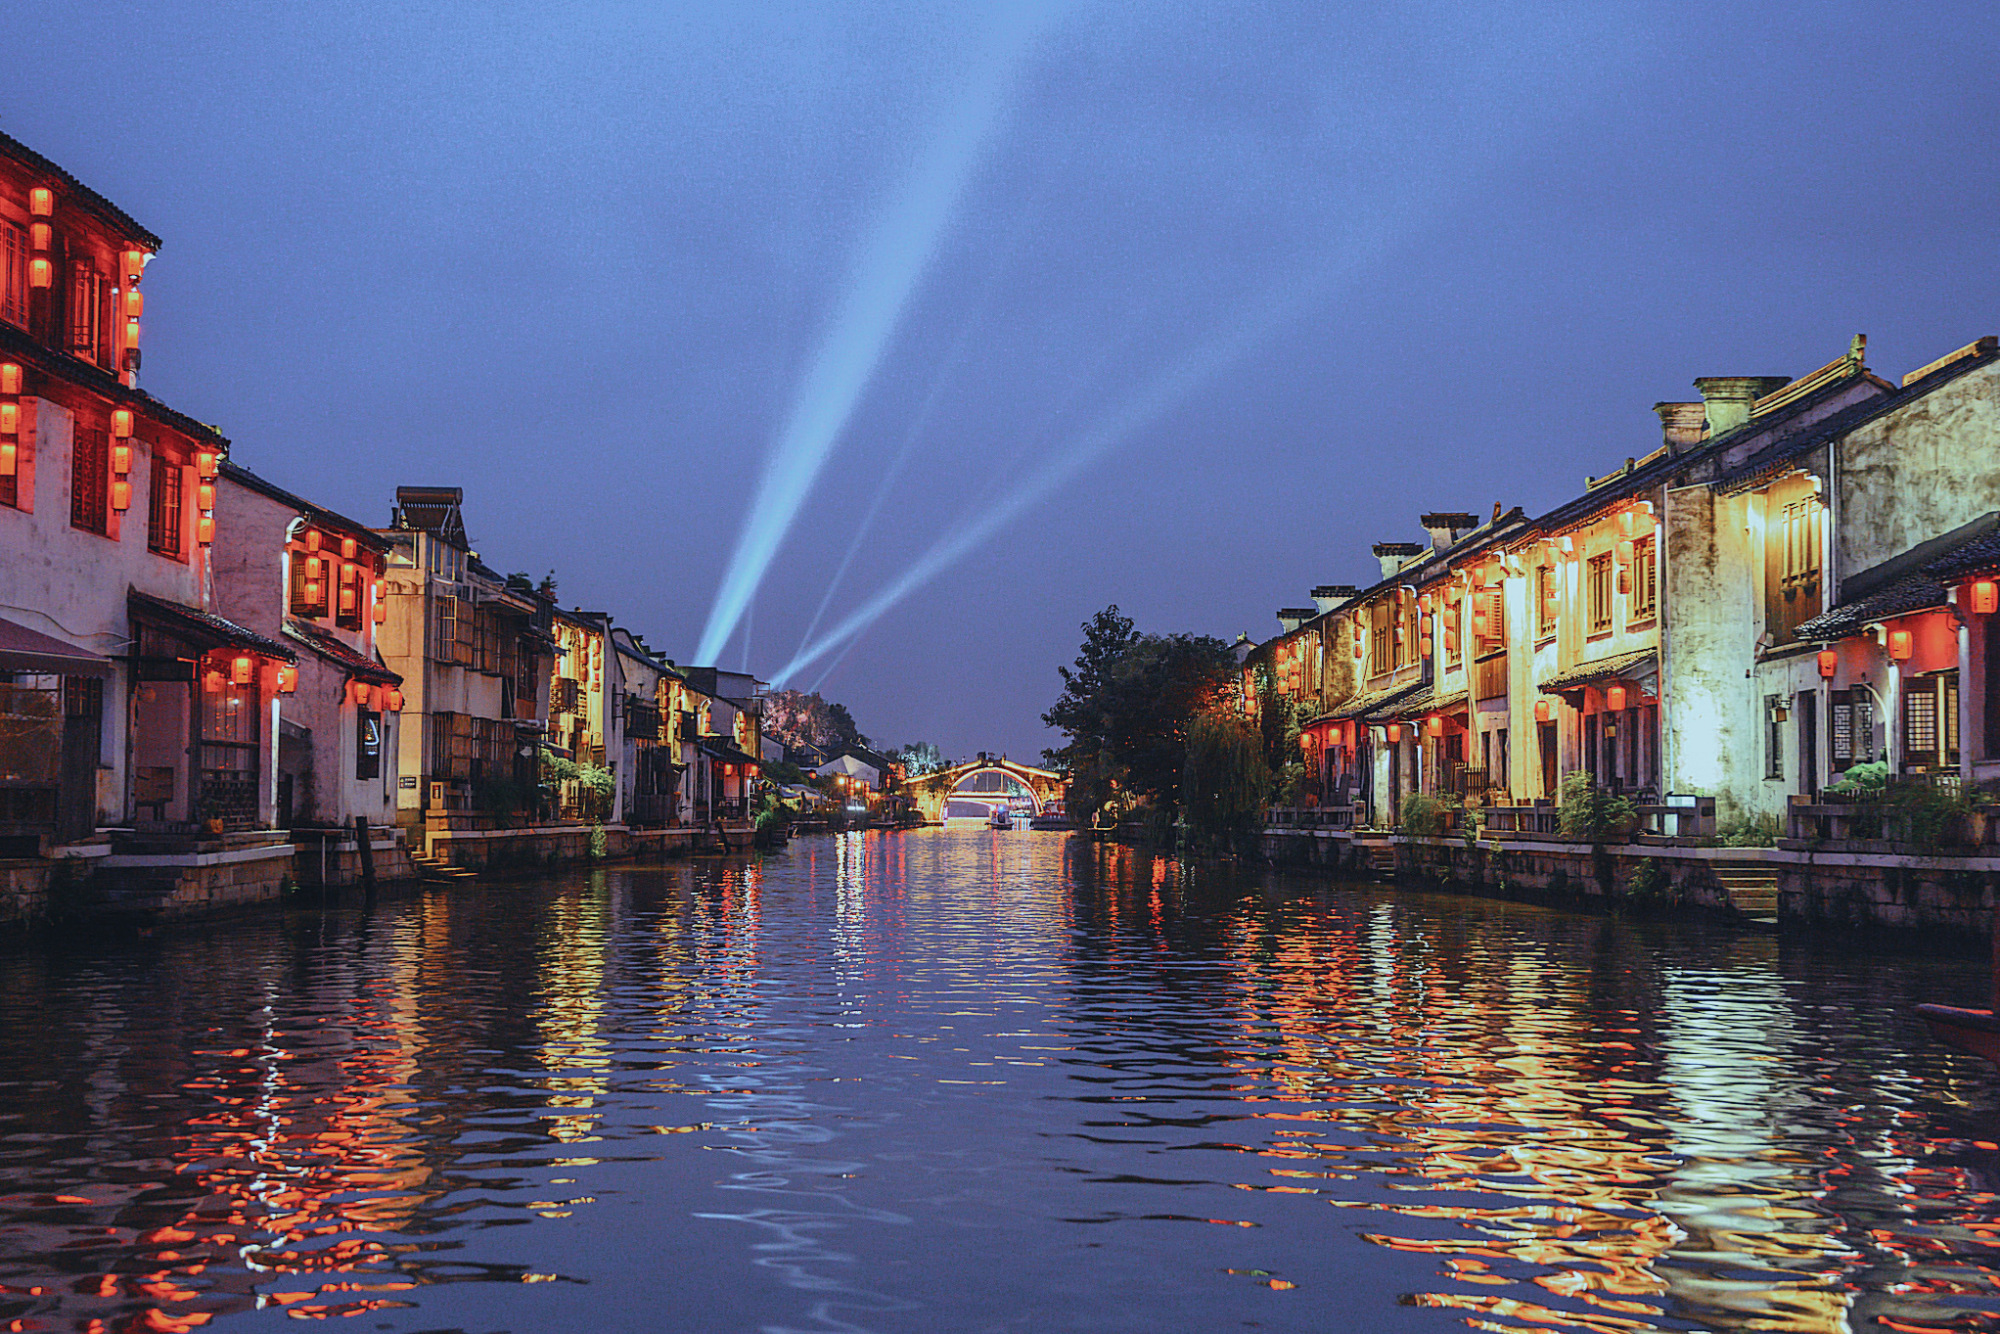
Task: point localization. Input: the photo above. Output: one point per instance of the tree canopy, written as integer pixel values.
(1126, 707)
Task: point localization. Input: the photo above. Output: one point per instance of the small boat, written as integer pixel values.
(1051, 820)
(1975, 1031)
(1002, 819)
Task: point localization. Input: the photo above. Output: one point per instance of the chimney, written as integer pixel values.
(1395, 555)
(1446, 529)
(1291, 618)
(1728, 399)
(1681, 424)
(1328, 596)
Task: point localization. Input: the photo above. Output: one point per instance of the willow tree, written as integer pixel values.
(1225, 783)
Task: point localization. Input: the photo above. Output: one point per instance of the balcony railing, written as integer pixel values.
(1312, 817)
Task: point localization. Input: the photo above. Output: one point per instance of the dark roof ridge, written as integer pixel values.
(104, 208)
(1874, 579)
(236, 471)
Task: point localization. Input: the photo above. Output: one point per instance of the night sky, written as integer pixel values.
(1191, 304)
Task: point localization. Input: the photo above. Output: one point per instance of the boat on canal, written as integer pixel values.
(1002, 819)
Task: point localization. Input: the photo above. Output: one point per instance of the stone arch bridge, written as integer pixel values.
(986, 781)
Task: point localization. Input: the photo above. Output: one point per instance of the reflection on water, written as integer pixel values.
(973, 1079)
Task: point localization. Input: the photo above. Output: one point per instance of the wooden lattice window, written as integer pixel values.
(309, 594)
(1645, 582)
(1598, 582)
(163, 518)
(90, 481)
(444, 647)
(1379, 634)
(14, 273)
(86, 311)
(1546, 603)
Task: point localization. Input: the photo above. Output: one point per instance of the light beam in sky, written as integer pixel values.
(885, 273)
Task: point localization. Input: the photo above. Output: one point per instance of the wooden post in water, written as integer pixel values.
(367, 846)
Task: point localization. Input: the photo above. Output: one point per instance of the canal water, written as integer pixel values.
(964, 1080)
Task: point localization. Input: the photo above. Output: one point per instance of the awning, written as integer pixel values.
(1634, 667)
(204, 629)
(340, 655)
(25, 650)
(718, 750)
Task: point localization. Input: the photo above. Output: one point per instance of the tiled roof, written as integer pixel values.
(1362, 705)
(17, 344)
(207, 625)
(1912, 582)
(78, 191)
(1603, 669)
(338, 653)
(367, 536)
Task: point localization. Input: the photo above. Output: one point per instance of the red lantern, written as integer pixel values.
(121, 496)
(239, 671)
(40, 273)
(347, 599)
(204, 463)
(1900, 645)
(1437, 726)
(204, 530)
(1985, 596)
(359, 691)
(1541, 711)
(1614, 698)
(313, 567)
(121, 423)
(135, 302)
(1424, 646)
(347, 548)
(121, 459)
(288, 678)
(1395, 731)
(1624, 580)
(9, 463)
(381, 610)
(395, 700)
(204, 495)
(312, 539)
(10, 418)
(1829, 663)
(131, 333)
(211, 681)
(41, 201)
(10, 377)
(135, 267)
(312, 592)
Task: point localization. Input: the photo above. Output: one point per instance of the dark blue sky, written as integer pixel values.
(1233, 291)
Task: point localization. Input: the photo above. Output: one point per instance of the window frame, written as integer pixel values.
(1599, 582)
(1643, 603)
(90, 505)
(14, 257)
(166, 501)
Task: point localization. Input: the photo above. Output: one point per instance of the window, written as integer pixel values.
(1645, 583)
(1454, 620)
(1853, 726)
(229, 752)
(1792, 560)
(1547, 580)
(163, 520)
(1599, 588)
(308, 589)
(1489, 624)
(353, 588)
(89, 507)
(86, 306)
(1774, 736)
(444, 646)
(1378, 638)
(1930, 722)
(13, 273)
(367, 744)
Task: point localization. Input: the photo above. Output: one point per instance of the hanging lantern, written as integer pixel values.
(10, 377)
(1900, 645)
(121, 459)
(10, 418)
(40, 236)
(204, 495)
(347, 548)
(313, 567)
(359, 692)
(1436, 725)
(312, 539)
(288, 678)
(1357, 643)
(211, 681)
(41, 273)
(239, 670)
(131, 333)
(312, 592)
(135, 302)
(1625, 579)
(1424, 646)
(381, 610)
(347, 602)
(135, 267)
(1829, 663)
(395, 700)
(1985, 596)
(204, 530)
(121, 496)
(41, 201)
(1541, 710)
(9, 463)
(204, 463)
(1614, 698)
(121, 423)
(1625, 553)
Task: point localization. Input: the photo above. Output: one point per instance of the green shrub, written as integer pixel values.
(1585, 810)
(1750, 831)
(1422, 815)
(1650, 886)
(1863, 779)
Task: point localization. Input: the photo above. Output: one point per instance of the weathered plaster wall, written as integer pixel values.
(1710, 741)
(1920, 471)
